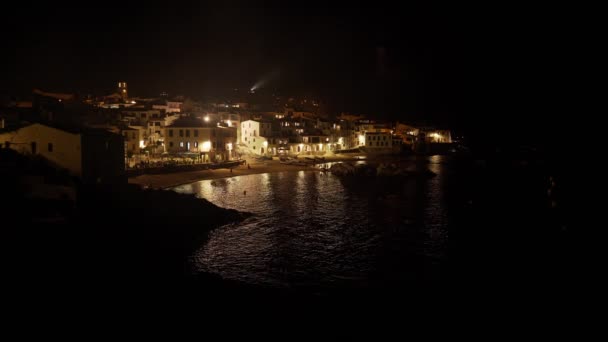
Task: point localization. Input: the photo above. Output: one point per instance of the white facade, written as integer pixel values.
(254, 135)
(169, 107)
(140, 117)
(174, 107)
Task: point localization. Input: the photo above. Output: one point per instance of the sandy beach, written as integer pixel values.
(162, 181)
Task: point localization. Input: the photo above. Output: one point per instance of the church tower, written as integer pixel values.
(122, 90)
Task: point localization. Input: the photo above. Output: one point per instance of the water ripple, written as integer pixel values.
(314, 229)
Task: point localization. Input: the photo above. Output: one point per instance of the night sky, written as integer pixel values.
(459, 66)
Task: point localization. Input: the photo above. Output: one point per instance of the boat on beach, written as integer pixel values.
(316, 159)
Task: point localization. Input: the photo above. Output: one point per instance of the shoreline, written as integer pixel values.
(169, 180)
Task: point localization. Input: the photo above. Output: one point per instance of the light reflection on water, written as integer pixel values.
(312, 229)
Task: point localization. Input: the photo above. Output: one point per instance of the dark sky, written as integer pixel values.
(361, 58)
(461, 66)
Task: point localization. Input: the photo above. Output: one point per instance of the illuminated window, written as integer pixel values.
(181, 144)
(196, 143)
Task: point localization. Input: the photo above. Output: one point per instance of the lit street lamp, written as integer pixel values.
(229, 147)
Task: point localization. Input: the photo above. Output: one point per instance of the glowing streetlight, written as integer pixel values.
(229, 148)
(206, 119)
(229, 123)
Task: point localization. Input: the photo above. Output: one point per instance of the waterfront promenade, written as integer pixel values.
(252, 166)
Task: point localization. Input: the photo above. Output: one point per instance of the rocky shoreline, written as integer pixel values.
(115, 231)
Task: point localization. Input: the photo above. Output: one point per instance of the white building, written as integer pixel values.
(169, 107)
(254, 136)
(156, 130)
(363, 127)
(140, 116)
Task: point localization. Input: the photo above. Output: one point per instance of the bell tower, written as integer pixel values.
(122, 90)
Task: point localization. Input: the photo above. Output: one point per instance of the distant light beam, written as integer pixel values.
(275, 74)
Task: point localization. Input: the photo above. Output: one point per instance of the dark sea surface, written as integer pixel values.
(318, 231)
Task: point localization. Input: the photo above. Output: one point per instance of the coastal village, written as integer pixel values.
(103, 139)
(311, 156)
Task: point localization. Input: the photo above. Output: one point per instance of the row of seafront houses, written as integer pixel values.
(101, 152)
(219, 136)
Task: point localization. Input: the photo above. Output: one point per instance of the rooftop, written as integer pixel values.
(192, 122)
